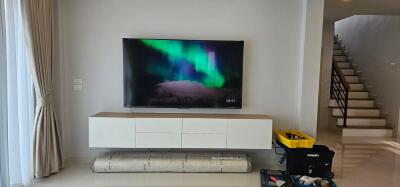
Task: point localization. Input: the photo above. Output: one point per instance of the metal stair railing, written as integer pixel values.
(339, 90)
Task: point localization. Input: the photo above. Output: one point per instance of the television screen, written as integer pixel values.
(182, 73)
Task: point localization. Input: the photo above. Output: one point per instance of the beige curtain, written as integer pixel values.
(47, 154)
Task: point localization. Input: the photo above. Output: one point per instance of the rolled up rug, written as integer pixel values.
(185, 162)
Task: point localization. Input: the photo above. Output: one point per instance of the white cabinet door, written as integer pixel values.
(111, 132)
(158, 140)
(204, 141)
(159, 125)
(249, 134)
(204, 125)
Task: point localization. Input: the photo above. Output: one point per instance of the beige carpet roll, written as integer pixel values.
(185, 162)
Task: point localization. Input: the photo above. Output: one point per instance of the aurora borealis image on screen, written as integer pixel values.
(182, 73)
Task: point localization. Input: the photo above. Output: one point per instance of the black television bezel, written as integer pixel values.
(181, 107)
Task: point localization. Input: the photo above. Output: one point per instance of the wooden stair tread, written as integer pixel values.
(363, 90)
(343, 62)
(340, 116)
(369, 99)
(358, 90)
(356, 107)
(366, 127)
(363, 117)
(355, 99)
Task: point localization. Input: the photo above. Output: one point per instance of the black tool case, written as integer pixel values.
(313, 162)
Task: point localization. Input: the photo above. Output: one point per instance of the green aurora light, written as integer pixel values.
(192, 53)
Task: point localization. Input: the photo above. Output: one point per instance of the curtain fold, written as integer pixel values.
(20, 98)
(4, 175)
(47, 153)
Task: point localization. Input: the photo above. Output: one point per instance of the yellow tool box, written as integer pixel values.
(294, 139)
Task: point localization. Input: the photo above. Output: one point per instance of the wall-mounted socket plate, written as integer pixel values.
(393, 64)
(77, 81)
(77, 87)
(77, 84)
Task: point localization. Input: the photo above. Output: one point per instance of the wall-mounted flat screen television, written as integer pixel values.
(172, 73)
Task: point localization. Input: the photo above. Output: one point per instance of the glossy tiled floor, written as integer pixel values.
(364, 162)
(359, 162)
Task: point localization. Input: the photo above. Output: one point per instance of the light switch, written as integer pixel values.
(393, 64)
(77, 81)
(77, 84)
(77, 87)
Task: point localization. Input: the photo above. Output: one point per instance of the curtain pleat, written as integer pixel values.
(4, 170)
(47, 154)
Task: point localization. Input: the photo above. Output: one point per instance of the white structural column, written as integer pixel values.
(325, 75)
(310, 59)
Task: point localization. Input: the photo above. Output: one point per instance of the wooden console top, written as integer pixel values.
(180, 115)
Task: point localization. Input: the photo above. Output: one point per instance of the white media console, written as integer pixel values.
(167, 130)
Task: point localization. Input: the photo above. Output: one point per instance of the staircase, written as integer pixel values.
(355, 110)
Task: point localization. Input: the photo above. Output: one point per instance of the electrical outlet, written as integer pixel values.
(77, 87)
(77, 84)
(77, 81)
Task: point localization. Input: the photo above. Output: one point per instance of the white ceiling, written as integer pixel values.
(339, 9)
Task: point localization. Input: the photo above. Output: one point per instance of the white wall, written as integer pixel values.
(325, 75)
(91, 49)
(374, 43)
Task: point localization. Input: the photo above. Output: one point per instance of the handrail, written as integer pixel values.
(340, 90)
(341, 76)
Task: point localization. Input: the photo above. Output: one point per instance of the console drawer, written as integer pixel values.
(159, 125)
(111, 132)
(249, 134)
(204, 141)
(158, 140)
(199, 125)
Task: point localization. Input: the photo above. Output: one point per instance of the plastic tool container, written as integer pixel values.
(302, 141)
